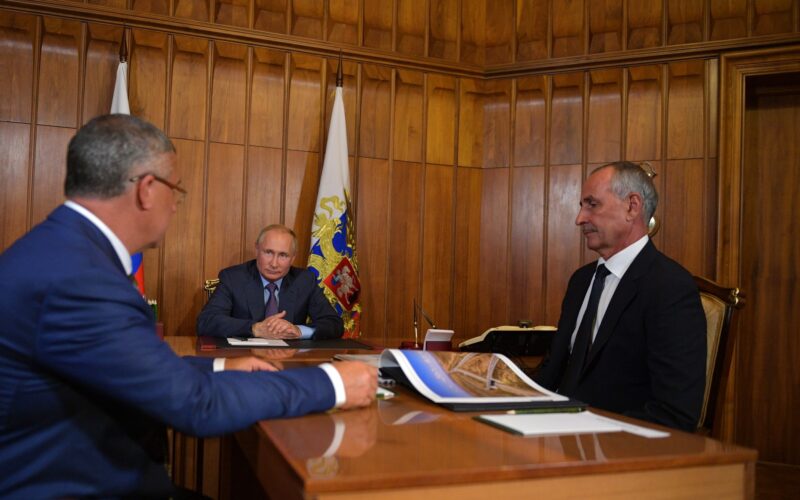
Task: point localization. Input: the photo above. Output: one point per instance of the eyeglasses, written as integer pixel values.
(174, 187)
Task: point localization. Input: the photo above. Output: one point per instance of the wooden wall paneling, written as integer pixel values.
(492, 269)
(224, 204)
(564, 240)
(712, 106)
(437, 244)
(533, 18)
(304, 103)
(59, 73)
(605, 26)
(441, 119)
(378, 21)
(262, 193)
(376, 95)
(302, 182)
(643, 127)
(18, 31)
(686, 125)
(411, 20)
(467, 288)
(119, 4)
(644, 25)
(343, 21)
(101, 54)
(267, 86)
(444, 28)
(271, 15)
(373, 240)
(683, 224)
(199, 10)
(350, 98)
(604, 135)
(685, 21)
(530, 121)
(228, 93)
(182, 294)
(473, 32)
(408, 110)
(568, 31)
(232, 12)
(147, 75)
(484, 123)
(151, 6)
(188, 88)
(773, 16)
(566, 119)
(728, 19)
(15, 171)
(49, 170)
(499, 32)
(307, 18)
(527, 244)
(404, 260)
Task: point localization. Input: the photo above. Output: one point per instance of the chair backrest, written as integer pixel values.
(719, 304)
(209, 286)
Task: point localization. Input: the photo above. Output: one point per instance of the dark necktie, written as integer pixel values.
(272, 300)
(583, 339)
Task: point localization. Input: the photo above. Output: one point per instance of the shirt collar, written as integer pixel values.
(264, 281)
(622, 260)
(119, 248)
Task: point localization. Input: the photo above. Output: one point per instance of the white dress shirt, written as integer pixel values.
(617, 265)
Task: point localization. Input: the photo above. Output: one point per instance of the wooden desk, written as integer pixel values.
(408, 448)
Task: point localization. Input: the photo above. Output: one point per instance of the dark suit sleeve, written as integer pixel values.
(223, 316)
(97, 333)
(326, 322)
(675, 326)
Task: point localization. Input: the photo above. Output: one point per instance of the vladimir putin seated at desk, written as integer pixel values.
(267, 297)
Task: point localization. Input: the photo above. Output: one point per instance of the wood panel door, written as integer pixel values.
(760, 181)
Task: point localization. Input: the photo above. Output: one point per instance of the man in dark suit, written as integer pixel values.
(269, 298)
(83, 376)
(643, 352)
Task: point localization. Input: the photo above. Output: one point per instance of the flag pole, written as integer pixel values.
(123, 46)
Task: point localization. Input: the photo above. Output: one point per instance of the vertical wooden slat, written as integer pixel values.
(685, 123)
(493, 269)
(183, 271)
(410, 27)
(437, 242)
(263, 205)
(408, 109)
(188, 88)
(266, 101)
(605, 116)
(605, 26)
(376, 86)
(466, 295)
(228, 93)
(14, 155)
(526, 255)
(304, 103)
(148, 76)
(223, 207)
(566, 119)
(49, 169)
(444, 29)
(645, 116)
(441, 120)
(58, 73)
(18, 31)
(568, 33)
(343, 21)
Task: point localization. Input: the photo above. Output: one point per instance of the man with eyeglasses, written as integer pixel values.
(267, 297)
(85, 382)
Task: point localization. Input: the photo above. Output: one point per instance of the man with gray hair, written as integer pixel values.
(632, 333)
(83, 376)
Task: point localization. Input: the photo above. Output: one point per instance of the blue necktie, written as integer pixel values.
(272, 301)
(583, 339)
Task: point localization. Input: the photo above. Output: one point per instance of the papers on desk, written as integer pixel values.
(256, 342)
(548, 424)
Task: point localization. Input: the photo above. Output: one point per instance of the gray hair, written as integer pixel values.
(281, 229)
(103, 154)
(631, 178)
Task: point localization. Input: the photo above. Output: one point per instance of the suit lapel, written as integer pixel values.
(286, 300)
(626, 291)
(255, 293)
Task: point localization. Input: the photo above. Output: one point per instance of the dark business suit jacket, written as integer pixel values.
(649, 356)
(83, 374)
(238, 303)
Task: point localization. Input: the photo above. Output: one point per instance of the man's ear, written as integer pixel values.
(635, 205)
(145, 193)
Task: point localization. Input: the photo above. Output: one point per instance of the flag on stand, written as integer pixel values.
(120, 105)
(333, 258)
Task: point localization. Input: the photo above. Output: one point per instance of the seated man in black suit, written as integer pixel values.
(269, 298)
(632, 333)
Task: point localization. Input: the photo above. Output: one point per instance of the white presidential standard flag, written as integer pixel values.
(332, 258)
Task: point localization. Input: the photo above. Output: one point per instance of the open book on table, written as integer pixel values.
(469, 381)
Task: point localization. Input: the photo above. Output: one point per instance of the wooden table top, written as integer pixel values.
(407, 441)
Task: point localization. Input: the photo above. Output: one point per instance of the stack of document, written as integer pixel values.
(548, 424)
